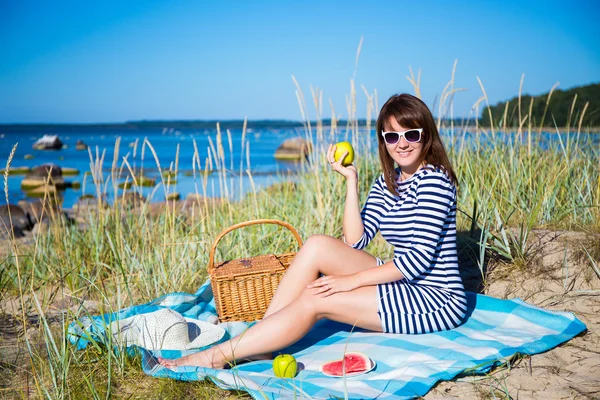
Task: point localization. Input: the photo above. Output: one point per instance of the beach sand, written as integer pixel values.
(560, 278)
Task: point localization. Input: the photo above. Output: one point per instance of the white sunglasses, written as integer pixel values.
(410, 135)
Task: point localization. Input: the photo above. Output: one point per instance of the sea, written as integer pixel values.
(186, 150)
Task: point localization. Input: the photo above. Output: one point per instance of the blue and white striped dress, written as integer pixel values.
(421, 225)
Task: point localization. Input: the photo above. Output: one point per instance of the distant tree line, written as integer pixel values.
(565, 107)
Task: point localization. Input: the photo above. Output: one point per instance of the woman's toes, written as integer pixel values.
(166, 362)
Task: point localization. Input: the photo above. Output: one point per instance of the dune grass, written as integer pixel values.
(509, 185)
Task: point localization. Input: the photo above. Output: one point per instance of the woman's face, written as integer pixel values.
(405, 154)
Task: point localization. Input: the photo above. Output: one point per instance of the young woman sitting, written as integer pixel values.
(413, 205)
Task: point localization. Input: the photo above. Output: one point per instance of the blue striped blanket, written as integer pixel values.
(407, 366)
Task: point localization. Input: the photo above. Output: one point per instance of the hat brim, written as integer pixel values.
(202, 333)
(128, 332)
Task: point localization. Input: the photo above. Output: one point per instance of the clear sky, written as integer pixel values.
(113, 61)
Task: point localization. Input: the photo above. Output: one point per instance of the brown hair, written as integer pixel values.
(410, 112)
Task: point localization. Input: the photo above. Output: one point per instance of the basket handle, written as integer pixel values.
(213, 249)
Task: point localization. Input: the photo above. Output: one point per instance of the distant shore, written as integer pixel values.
(468, 125)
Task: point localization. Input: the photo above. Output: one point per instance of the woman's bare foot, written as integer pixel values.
(200, 359)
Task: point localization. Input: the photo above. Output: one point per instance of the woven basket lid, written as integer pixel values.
(263, 264)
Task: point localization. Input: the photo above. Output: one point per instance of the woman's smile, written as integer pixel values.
(404, 153)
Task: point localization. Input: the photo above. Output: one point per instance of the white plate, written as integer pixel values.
(350, 374)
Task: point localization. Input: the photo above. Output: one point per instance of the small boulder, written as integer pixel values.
(48, 142)
(21, 221)
(69, 171)
(16, 171)
(174, 196)
(41, 227)
(88, 203)
(44, 170)
(42, 208)
(32, 183)
(132, 200)
(145, 181)
(49, 191)
(45, 174)
(80, 145)
(293, 149)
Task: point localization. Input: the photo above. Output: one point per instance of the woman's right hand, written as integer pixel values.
(349, 172)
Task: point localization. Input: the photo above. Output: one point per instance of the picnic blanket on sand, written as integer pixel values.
(407, 365)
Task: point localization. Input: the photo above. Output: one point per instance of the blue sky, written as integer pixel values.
(131, 60)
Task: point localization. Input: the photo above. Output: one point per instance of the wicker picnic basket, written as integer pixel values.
(243, 288)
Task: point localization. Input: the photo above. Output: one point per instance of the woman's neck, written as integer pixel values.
(406, 173)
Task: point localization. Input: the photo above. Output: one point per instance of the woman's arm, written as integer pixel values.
(383, 274)
(352, 224)
(359, 227)
(328, 285)
(375, 207)
(436, 200)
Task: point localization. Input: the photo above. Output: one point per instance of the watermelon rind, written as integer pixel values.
(369, 362)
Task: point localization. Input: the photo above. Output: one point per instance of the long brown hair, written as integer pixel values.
(410, 112)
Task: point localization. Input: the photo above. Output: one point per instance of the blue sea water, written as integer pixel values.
(262, 143)
(265, 169)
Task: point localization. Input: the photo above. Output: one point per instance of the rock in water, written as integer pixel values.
(42, 171)
(174, 196)
(80, 145)
(70, 171)
(293, 149)
(39, 177)
(48, 142)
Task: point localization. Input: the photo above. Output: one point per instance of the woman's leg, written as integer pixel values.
(288, 325)
(320, 254)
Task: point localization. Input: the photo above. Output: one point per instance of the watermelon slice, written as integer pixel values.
(352, 364)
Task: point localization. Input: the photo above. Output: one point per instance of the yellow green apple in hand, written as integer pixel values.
(342, 148)
(285, 366)
(340, 156)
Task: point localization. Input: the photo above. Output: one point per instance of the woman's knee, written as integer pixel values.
(316, 244)
(318, 306)
(314, 249)
(309, 301)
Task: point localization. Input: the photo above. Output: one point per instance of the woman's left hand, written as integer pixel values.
(328, 285)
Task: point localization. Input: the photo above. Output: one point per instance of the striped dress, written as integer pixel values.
(421, 225)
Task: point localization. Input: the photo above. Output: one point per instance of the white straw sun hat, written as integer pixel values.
(165, 329)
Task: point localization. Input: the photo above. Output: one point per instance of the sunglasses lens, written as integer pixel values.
(391, 137)
(412, 135)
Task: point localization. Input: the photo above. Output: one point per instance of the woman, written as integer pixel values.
(414, 208)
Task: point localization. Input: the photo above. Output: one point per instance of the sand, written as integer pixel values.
(560, 279)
